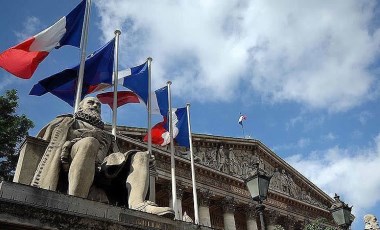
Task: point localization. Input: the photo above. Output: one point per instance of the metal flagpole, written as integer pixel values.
(149, 60)
(115, 82)
(83, 45)
(172, 159)
(195, 197)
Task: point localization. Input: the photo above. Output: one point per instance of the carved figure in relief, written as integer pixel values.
(211, 158)
(370, 222)
(83, 160)
(221, 158)
(284, 182)
(235, 166)
(200, 156)
(275, 182)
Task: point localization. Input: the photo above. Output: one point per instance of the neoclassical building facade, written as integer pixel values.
(221, 164)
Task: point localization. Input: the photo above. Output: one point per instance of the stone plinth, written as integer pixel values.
(24, 207)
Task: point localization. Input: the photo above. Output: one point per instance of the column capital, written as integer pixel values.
(250, 210)
(204, 197)
(180, 190)
(291, 221)
(229, 204)
(273, 216)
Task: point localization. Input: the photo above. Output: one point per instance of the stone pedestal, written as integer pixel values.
(31, 152)
(26, 207)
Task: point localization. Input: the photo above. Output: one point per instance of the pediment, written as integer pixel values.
(236, 157)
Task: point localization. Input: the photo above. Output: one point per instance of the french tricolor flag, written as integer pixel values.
(23, 59)
(160, 132)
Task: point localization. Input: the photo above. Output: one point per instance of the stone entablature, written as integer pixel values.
(236, 157)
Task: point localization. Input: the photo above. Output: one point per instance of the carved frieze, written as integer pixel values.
(240, 162)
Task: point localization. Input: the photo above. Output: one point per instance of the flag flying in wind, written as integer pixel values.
(136, 79)
(182, 138)
(98, 70)
(241, 118)
(123, 97)
(23, 59)
(160, 103)
(160, 132)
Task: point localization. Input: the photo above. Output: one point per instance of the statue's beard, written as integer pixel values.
(90, 116)
(92, 113)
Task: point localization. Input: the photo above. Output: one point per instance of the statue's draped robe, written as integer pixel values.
(48, 170)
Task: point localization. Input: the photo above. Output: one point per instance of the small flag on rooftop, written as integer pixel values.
(241, 118)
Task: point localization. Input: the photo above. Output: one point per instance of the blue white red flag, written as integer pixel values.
(241, 119)
(160, 132)
(97, 71)
(160, 101)
(136, 79)
(182, 138)
(23, 59)
(123, 97)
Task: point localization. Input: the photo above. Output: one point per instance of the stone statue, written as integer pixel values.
(200, 156)
(84, 161)
(211, 158)
(235, 167)
(221, 158)
(370, 222)
(187, 218)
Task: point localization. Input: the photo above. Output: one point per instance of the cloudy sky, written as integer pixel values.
(304, 72)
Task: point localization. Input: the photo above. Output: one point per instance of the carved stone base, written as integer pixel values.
(26, 207)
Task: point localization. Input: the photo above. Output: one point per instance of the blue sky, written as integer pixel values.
(304, 72)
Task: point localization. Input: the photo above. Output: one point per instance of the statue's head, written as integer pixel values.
(90, 106)
(370, 222)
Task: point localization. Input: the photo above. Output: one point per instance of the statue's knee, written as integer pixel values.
(88, 146)
(141, 157)
(89, 142)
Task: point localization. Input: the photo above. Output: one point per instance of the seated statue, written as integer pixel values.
(84, 161)
(370, 222)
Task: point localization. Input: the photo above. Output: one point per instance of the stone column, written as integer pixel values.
(271, 220)
(204, 207)
(229, 207)
(180, 190)
(152, 182)
(250, 215)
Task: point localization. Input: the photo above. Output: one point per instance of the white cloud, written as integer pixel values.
(329, 137)
(364, 116)
(352, 173)
(312, 52)
(31, 26)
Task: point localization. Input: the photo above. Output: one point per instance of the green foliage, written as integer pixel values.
(13, 129)
(318, 224)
